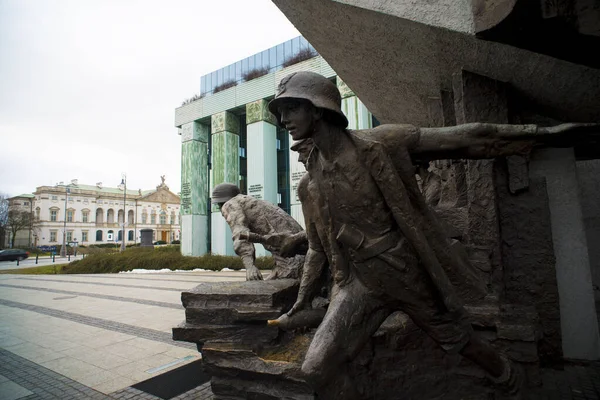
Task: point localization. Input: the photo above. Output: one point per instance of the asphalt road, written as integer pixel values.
(30, 262)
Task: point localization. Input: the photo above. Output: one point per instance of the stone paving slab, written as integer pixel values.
(29, 381)
(12, 391)
(102, 332)
(94, 336)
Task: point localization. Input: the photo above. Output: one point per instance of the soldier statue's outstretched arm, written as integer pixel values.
(235, 217)
(483, 140)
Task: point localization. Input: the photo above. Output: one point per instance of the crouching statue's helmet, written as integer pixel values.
(224, 192)
(317, 89)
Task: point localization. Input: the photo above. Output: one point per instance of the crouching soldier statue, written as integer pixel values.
(366, 219)
(252, 220)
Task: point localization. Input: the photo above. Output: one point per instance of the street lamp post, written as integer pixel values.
(30, 220)
(124, 183)
(63, 248)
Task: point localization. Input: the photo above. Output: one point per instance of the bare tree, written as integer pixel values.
(3, 218)
(18, 219)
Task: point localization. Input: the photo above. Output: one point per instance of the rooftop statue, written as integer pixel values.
(367, 220)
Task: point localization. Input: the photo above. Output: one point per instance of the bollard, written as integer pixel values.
(68, 257)
(53, 257)
(36, 258)
(17, 262)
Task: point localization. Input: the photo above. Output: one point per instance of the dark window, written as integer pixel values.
(130, 235)
(283, 168)
(374, 121)
(98, 236)
(243, 183)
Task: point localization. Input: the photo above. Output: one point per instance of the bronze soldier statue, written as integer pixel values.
(251, 220)
(366, 218)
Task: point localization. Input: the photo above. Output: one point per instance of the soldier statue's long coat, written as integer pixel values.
(386, 154)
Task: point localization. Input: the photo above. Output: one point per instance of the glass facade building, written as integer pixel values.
(271, 59)
(233, 138)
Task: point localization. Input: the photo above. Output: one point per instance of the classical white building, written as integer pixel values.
(94, 214)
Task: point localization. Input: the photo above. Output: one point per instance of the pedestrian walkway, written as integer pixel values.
(99, 336)
(94, 336)
(39, 262)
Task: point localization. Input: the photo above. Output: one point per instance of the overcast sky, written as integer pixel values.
(88, 88)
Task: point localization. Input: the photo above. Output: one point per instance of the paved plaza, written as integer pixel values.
(41, 261)
(93, 336)
(98, 336)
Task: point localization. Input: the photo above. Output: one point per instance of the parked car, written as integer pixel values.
(13, 255)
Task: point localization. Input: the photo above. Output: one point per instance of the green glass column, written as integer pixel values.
(262, 151)
(225, 168)
(356, 112)
(194, 189)
(262, 155)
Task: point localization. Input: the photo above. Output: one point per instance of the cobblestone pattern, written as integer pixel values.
(99, 296)
(145, 333)
(202, 392)
(49, 385)
(103, 284)
(44, 383)
(131, 393)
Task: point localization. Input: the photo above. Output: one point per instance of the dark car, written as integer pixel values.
(13, 255)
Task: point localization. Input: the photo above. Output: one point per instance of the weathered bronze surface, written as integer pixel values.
(253, 220)
(368, 221)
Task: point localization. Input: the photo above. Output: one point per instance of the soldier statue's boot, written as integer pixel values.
(504, 374)
(511, 382)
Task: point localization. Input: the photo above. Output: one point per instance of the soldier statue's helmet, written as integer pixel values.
(224, 192)
(316, 89)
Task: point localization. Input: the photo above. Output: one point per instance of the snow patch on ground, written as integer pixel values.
(167, 270)
(161, 271)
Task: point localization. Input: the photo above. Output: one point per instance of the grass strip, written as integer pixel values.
(154, 259)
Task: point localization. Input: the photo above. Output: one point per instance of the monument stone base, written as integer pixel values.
(250, 360)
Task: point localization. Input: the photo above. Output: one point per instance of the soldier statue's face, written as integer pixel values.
(299, 118)
(304, 153)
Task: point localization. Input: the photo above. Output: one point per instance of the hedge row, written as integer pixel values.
(154, 259)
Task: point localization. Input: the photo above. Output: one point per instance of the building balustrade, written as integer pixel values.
(107, 225)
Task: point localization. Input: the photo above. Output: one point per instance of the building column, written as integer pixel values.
(261, 135)
(356, 112)
(297, 170)
(194, 189)
(225, 169)
(262, 151)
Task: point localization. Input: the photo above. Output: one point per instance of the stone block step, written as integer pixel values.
(241, 389)
(231, 315)
(240, 333)
(233, 360)
(266, 294)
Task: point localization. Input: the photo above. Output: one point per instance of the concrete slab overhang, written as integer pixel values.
(394, 64)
